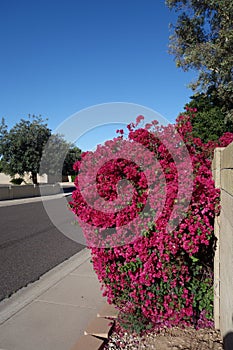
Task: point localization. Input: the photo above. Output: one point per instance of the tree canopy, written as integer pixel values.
(202, 40)
(22, 146)
(3, 132)
(21, 150)
(72, 156)
(209, 122)
(58, 158)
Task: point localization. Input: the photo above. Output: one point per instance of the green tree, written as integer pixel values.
(3, 133)
(58, 158)
(202, 40)
(209, 122)
(72, 156)
(22, 146)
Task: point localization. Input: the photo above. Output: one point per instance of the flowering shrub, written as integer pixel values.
(149, 222)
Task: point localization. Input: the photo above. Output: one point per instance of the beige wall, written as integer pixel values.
(222, 168)
(25, 191)
(5, 179)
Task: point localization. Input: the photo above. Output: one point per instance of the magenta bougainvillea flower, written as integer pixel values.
(146, 202)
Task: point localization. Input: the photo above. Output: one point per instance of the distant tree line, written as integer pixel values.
(22, 147)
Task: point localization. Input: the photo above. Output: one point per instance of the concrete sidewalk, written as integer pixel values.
(52, 313)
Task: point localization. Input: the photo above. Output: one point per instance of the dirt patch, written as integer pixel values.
(168, 339)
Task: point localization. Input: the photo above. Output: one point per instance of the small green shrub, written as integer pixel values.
(73, 177)
(17, 181)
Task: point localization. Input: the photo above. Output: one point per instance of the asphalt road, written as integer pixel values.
(31, 245)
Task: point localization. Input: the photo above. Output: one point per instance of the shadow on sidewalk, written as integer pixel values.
(228, 341)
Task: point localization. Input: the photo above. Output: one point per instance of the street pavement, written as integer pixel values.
(54, 311)
(30, 244)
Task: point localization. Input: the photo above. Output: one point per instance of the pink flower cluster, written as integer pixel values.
(151, 237)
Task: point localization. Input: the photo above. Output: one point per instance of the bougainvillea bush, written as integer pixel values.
(148, 221)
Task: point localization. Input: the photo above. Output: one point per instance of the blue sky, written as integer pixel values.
(59, 57)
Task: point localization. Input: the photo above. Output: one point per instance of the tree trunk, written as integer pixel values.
(34, 178)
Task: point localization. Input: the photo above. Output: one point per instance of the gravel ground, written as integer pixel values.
(168, 339)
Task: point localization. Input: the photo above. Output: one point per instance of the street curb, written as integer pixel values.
(23, 297)
(10, 202)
